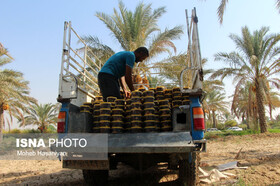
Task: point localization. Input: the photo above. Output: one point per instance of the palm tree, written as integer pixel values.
(155, 81)
(14, 90)
(272, 101)
(171, 67)
(257, 61)
(244, 104)
(215, 103)
(209, 84)
(134, 29)
(41, 115)
(222, 7)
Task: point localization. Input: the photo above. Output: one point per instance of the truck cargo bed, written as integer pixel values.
(164, 142)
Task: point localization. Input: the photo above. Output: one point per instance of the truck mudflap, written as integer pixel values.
(165, 142)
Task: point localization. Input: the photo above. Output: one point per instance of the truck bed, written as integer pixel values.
(164, 142)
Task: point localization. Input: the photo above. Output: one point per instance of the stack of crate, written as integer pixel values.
(105, 117)
(127, 116)
(118, 116)
(176, 97)
(165, 115)
(146, 111)
(136, 111)
(150, 119)
(96, 114)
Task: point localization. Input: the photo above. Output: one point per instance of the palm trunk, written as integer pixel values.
(261, 109)
(209, 117)
(270, 112)
(1, 122)
(248, 121)
(214, 119)
(255, 119)
(9, 125)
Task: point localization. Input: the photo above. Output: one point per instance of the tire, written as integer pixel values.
(188, 171)
(96, 177)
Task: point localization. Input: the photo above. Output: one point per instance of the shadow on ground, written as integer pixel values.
(125, 176)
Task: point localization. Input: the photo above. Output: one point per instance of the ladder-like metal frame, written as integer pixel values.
(194, 55)
(80, 72)
(193, 63)
(86, 81)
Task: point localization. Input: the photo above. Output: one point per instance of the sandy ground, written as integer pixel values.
(260, 153)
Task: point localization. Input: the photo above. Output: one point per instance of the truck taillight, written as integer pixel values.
(198, 118)
(61, 122)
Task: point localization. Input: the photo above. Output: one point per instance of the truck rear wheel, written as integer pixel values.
(96, 177)
(188, 170)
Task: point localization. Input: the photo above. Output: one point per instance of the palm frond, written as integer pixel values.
(278, 5)
(221, 10)
(162, 41)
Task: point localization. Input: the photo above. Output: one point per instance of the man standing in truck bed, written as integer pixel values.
(118, 68)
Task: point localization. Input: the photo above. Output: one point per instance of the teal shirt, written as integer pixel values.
(116, 64)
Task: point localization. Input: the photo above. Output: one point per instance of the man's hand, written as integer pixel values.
(128, 78)
(127, 94)
(123, 84)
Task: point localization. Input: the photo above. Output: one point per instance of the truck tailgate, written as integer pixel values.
(165, 142)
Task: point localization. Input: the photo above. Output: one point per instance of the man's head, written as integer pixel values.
(141, 54)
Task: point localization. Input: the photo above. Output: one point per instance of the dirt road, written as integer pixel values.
(261, 153)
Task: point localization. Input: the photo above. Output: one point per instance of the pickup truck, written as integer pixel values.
(179, 147)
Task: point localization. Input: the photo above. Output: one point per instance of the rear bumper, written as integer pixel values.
(164, 142)
(139, 143)
(169, 143)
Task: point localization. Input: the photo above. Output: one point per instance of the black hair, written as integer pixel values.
(142, 50)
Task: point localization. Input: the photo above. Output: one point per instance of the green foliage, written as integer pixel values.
(133, 29)
(277, 118)
(243, 126)
(51, 129)
(42, 115)
(19, 131)
(208, 124)
(274, 124)
(155, 81)
(254, 64)
(172, 67)
(30, 131)
(210, 135)
(215, 103)
(230, 123)
(274, 130)
(14, 90)
(15, 131)
(221, 126)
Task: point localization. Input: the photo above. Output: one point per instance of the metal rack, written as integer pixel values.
(193, 65)
(78, 70)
